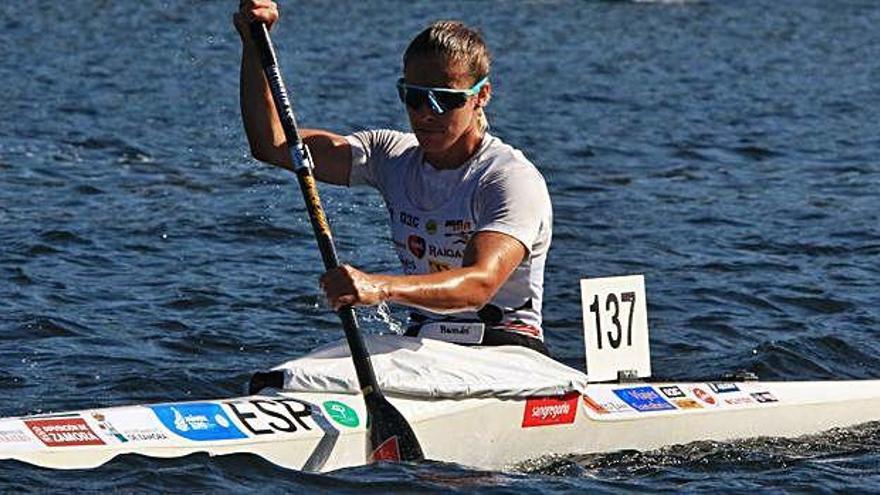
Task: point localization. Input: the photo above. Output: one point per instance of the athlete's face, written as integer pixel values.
(444, 134)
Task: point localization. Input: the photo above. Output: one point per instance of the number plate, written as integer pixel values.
(615, 327)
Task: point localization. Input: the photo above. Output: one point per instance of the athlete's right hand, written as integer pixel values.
(250, 11)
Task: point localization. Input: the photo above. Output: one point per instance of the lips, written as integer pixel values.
(422, 130)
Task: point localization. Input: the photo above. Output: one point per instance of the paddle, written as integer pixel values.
(390, 436)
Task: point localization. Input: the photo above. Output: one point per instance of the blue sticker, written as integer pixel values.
(643, 399)
(199, 421)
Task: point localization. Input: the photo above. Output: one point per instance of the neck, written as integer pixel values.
(457, 154)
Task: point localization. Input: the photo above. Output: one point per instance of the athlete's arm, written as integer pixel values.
(331, 152)
(489, 259)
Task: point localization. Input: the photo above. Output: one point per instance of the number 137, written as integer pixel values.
(611, 302)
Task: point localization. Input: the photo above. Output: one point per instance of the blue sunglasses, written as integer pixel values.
(441, 100)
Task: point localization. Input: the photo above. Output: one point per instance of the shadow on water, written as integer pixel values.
(241, 473)
(758, 455)
(834, 451)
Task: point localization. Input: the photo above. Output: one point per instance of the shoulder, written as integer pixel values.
(391, 141)
(506, 165)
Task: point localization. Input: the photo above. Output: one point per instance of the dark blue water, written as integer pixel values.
(727, 150)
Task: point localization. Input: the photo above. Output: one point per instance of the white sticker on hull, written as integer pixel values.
(618, 401)
(14, 436)
(135, 425)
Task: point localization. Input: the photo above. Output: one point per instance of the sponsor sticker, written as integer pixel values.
(545, 411)
(643, 399)
(605, 405)
(63, 432)
(107, 427)
(198, 421)
(687, 404)
(131, 424)
(589, 402)
(271, 416)
(764, 397)
(458, 332)
(738, 401)
(431, 227)
(704, 396)
(672, 391)
(723, 388)
(14, 436)
(342, 413)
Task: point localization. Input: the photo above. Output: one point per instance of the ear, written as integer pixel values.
(484, 95)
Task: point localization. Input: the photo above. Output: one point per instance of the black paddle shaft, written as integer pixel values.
(389, 425)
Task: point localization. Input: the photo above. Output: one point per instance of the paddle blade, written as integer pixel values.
(391, 437)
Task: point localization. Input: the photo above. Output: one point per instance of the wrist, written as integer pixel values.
(384, 288)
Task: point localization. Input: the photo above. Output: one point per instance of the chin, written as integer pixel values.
(432, 141)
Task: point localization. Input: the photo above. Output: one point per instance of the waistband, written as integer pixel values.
(521, 335)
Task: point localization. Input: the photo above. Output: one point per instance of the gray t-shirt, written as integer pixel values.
(435, 212)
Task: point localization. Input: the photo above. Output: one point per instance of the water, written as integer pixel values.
(727, 150)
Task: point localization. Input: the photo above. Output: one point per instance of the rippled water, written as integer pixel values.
(727, 150)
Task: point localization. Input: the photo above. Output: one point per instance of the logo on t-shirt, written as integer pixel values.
(460, 229)
(409, 220)
(416, 246)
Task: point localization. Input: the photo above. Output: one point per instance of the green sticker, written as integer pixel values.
(342, 414)
(431, 227)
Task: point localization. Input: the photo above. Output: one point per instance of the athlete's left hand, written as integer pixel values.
(348, 286)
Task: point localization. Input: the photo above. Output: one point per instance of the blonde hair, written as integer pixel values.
(454, 42)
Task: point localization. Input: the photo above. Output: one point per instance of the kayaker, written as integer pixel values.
(470, 215)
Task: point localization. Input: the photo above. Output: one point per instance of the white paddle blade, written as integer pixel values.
(615, 327)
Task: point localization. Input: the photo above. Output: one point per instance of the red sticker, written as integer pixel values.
(543, 411)
(63, 432)
(388, 451)
(704, 396)
(594, 405)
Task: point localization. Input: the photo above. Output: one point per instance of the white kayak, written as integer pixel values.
(484, 419)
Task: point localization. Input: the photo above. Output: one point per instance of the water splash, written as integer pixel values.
(382, 321)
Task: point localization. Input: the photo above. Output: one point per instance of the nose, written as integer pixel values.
(422, 114)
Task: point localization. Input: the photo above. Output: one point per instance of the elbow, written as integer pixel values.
(478, 295)
(266, 155)
(258, 152)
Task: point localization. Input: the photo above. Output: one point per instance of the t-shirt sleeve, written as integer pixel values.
(361, 171)
(514, 202)
(370, 152)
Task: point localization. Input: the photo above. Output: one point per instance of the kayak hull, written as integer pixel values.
(323, 432)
